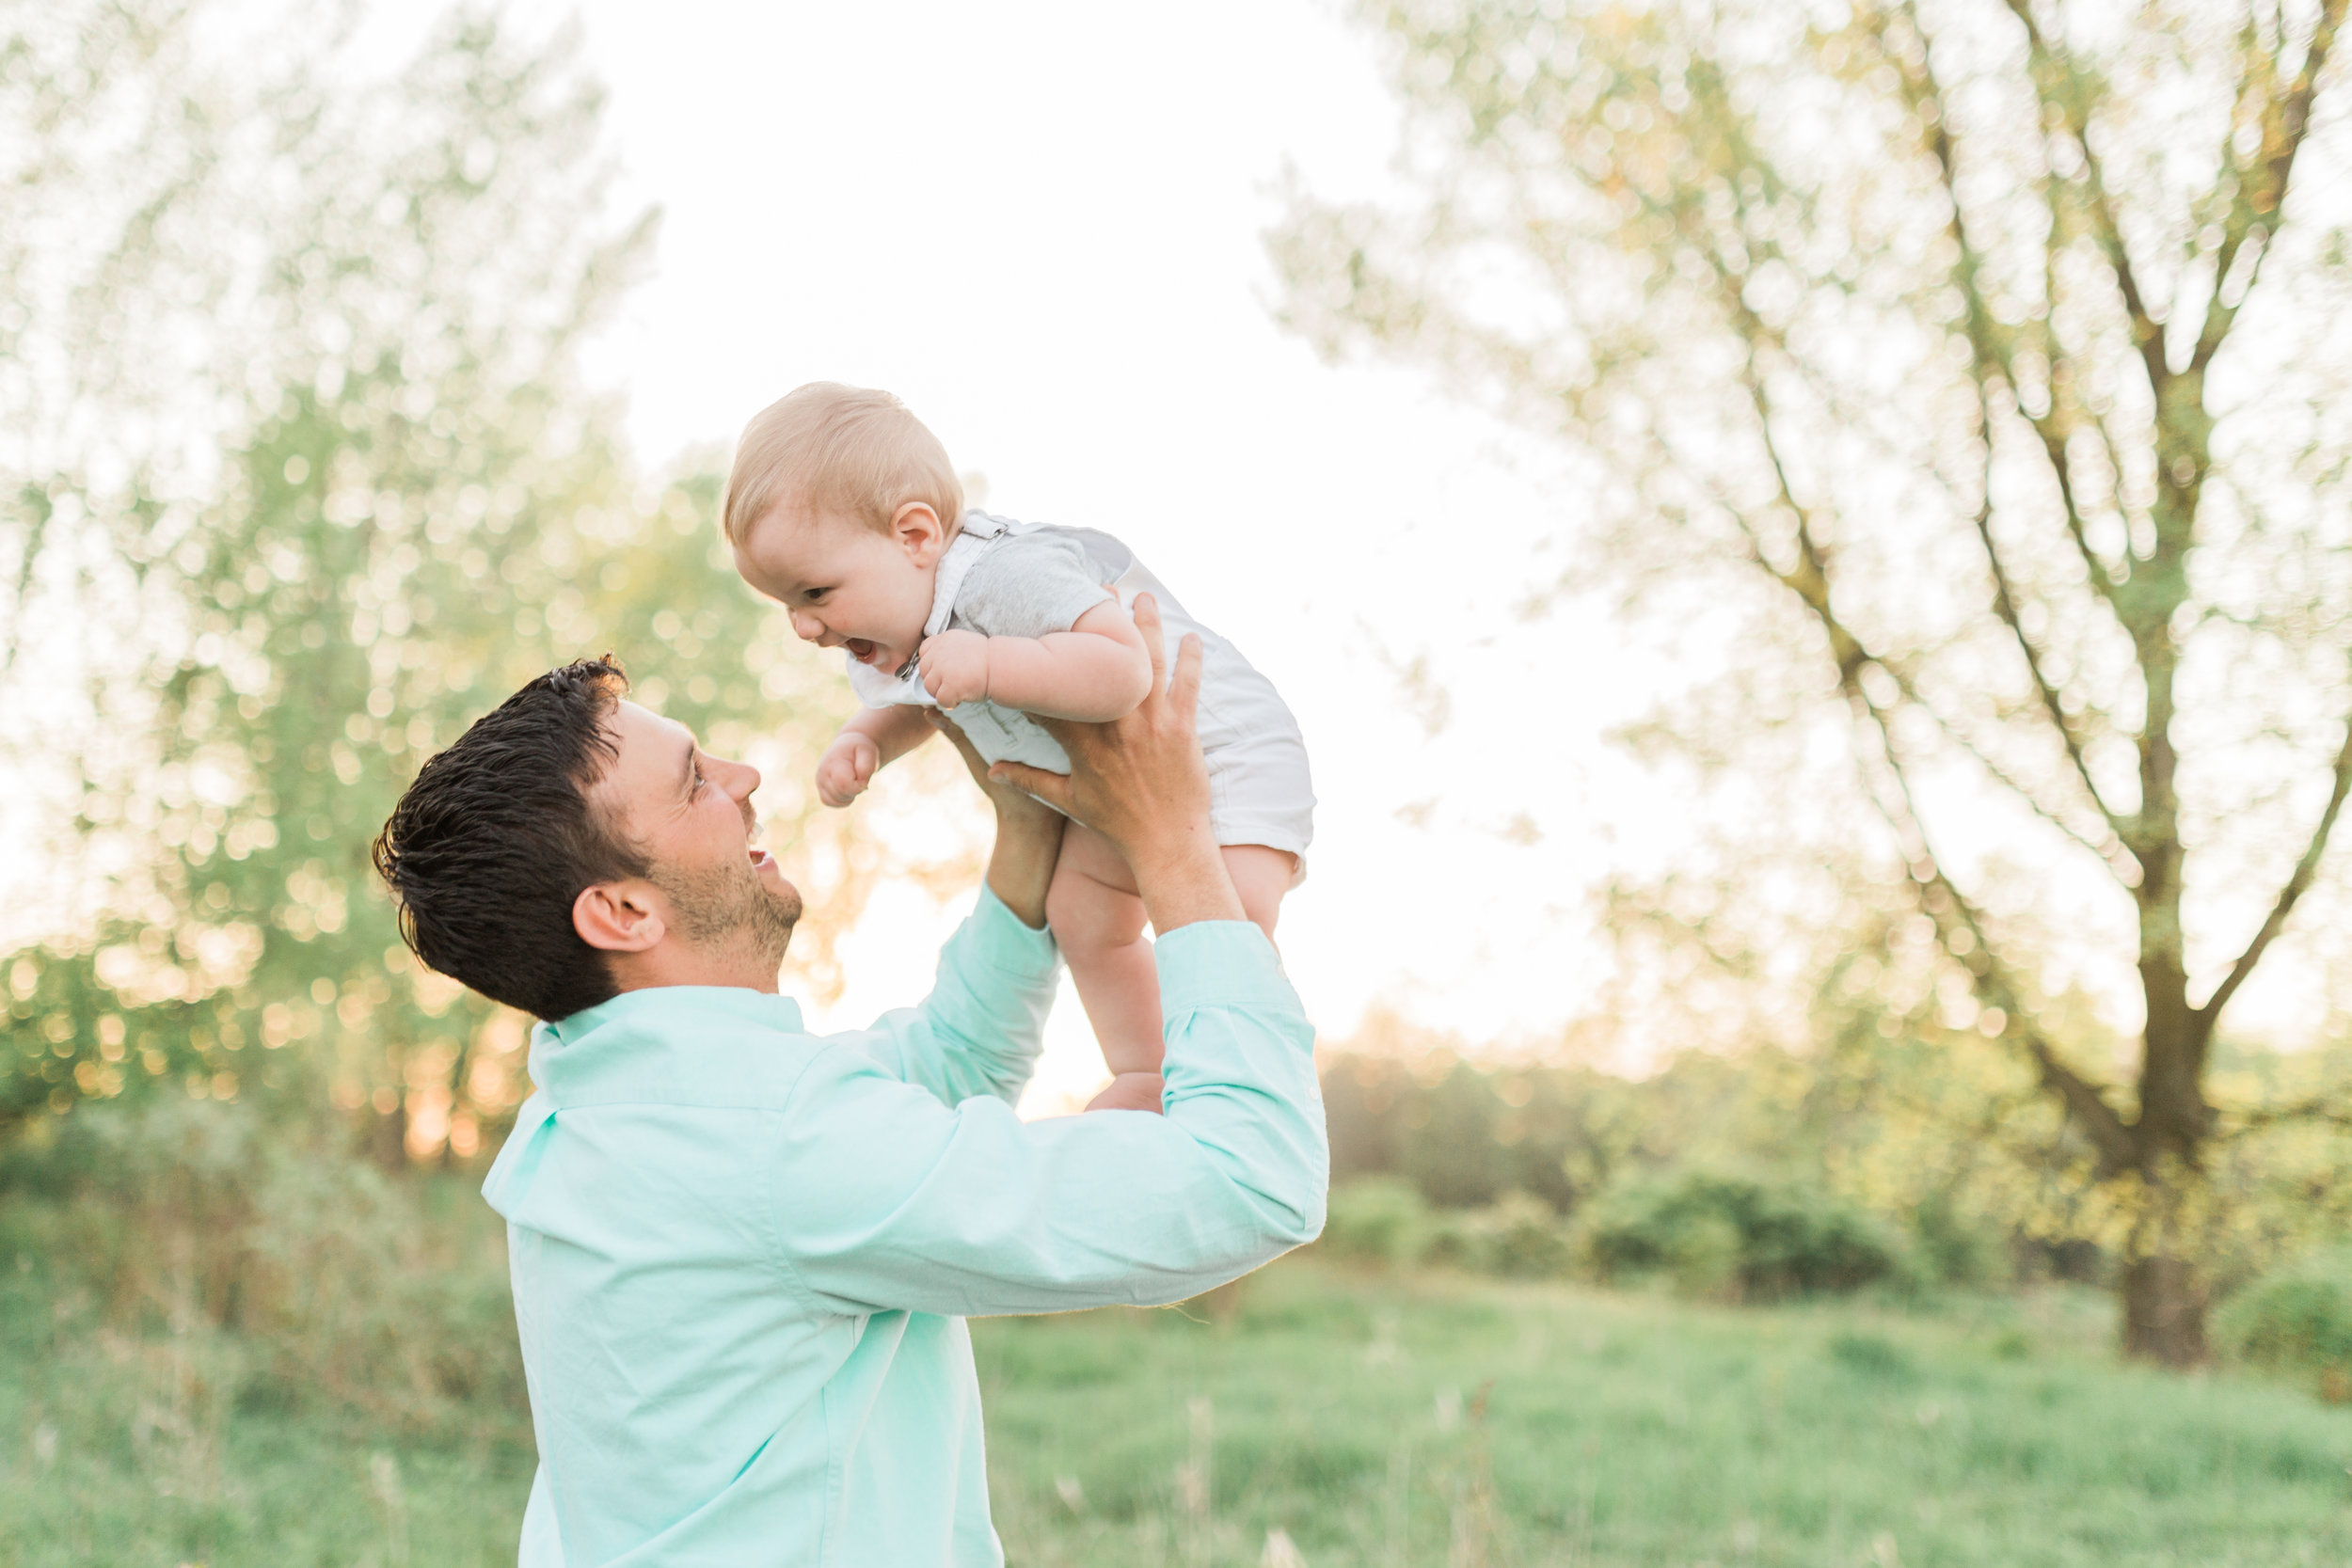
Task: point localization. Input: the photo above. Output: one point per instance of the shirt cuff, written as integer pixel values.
(1221, 963)
(1000, 940)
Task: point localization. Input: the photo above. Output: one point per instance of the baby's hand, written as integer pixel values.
(846, 769)
(955, 668)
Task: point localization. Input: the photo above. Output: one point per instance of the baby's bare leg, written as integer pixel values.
(1098, 920)
(1260, 876)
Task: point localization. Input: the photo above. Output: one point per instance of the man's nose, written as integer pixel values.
(738, 779)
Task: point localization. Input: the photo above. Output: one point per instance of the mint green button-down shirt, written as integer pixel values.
(742, 1254)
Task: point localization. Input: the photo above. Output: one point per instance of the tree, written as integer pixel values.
(1978, 357)
(301, 478)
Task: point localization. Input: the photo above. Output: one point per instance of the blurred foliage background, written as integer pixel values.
(1968, 379)
(300, 478)
(299, 474)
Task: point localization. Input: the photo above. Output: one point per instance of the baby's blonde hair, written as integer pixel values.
(839, 448)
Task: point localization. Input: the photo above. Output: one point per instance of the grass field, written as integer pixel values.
(1373, 1422)
(1455, 1421)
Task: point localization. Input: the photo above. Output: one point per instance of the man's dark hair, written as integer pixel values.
(489, 847)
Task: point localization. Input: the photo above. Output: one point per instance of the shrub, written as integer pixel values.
(384, 1297)
(2294, 1319)
(1384, 1219)
(1378, 1219)
(1525, 1239)
(1518, 1235)
(1739, 1237)
(1952, 1247)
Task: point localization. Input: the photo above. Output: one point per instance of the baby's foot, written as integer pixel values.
(1130, 1091)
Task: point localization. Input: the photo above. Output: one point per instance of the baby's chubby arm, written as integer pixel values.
(1094, 673)
(875, 737)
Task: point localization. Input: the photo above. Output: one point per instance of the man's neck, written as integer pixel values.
(671, 962)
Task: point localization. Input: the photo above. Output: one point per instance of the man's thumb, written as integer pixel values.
(1052, 789)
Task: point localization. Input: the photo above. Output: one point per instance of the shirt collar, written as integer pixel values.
(657, 1005)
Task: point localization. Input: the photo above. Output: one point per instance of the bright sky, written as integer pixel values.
(1040, 225)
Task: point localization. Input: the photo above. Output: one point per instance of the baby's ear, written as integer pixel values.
(919, 533)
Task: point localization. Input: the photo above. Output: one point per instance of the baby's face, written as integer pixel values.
(847, 585)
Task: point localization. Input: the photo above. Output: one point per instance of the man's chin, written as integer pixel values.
(771, 882)
(785, 909)
(749, 909)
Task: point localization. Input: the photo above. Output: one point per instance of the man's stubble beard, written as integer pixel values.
(725, 907)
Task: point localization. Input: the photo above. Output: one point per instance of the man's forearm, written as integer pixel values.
(1182, 876)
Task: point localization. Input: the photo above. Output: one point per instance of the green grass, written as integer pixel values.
(162, 1448)
(1377, 1421)
(1345, 1411)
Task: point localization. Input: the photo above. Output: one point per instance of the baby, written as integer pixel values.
(843, 508)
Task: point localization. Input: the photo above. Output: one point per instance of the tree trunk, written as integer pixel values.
(386, 1139)
(2164, 1311)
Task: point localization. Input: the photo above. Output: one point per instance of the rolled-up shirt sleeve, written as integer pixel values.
(889, 1197)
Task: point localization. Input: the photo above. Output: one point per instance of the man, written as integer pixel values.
(742, 1254)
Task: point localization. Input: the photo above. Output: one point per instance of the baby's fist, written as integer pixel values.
(846, 769)
(955, 668)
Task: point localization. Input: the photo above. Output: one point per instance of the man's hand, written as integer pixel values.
(1028, 833)
(846, 768)
(955, 668)
(1139, 781)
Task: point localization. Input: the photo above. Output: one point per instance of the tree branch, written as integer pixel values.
(36, 538)
(2111, 853)
(2299, 879)
(2334, 1108)
(1989, 347)
(1951, 912)
(2057, 86)
(2262, 184)
(1940, 898)
(2005, 605)
(1994, 359)
(1811, 577)
(1990, 1127)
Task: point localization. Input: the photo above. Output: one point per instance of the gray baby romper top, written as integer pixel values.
(1004, 578)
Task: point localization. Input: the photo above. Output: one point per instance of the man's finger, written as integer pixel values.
(1052, 789)
(1187, 690)
(1147, 614)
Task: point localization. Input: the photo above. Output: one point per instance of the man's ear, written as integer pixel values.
(919, 533)
(617, 918)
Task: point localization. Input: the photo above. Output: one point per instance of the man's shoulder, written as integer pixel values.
(680, 1046)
